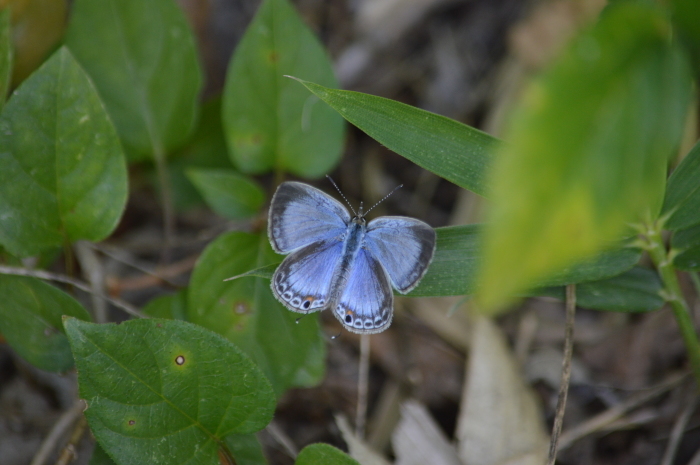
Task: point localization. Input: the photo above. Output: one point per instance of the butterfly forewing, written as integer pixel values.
(404, 247)
(367, 302)
(301, 215)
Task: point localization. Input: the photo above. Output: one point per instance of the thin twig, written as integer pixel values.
(688, 402)
(605, 418)
(68, 454)
(273, 428)
(49, 276)
(51, 441)
(565, 372)
(161, 276)
(362, 387)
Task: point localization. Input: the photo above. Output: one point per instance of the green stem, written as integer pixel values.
(674, 296)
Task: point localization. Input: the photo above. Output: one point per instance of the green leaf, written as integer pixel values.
(270, 122)
(172, 307)
(30, 320)
(686, 248)
(587, 151)
(637, 290)
(246, 449)
(100, 457)
(246, 312)
(450, 149)
(454, 267)
(5, 54)
(62, 171)
(323, 454)
(229, 194)
(166, 391)
(142, 57)
(686, 16)
(682, 202)
(205, 149)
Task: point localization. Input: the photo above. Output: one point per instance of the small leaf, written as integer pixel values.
(230, 194)
(448, 148)
(37, 29)
(686, 246)
(30, 320)
(142, 57)
(323, 454)
(166, 391)
(454, 267)
(5, 55)
(62, 171)
(172, 307)
(636, 290)
(682, 203)
(246, 312)
(587, 152)
(269, 121)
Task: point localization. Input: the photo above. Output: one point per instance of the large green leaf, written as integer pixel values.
(142, 57)
(323, 454)
(450, 149)
(637, 290)
(246, 312)
(454, 267)
(30, 320)
(682, 202)
(5, 54)
(587, 150)
(686, 248)
(270, 122)
(230, 194)
(166, 391)
(62, 171)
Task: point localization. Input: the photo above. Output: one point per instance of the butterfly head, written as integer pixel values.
(359, 217)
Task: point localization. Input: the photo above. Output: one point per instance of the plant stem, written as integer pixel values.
(565, 372)
(674, 296)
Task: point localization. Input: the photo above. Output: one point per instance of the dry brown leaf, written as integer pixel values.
(500, 421)
(358, 448)
(418, 440)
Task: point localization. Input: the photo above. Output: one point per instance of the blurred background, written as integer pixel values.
(465, 59)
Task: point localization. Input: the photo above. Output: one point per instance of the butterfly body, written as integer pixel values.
(340, 262)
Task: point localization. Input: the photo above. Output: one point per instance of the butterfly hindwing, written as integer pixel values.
(404, 247)
(366, 303)
(302, 282)
(301, 215)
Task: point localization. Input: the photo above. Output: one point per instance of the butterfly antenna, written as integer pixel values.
(385, 197)
(341, 194)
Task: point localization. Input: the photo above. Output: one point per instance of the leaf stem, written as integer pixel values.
(673, 295)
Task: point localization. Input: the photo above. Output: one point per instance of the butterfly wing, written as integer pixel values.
(302, 282)
(301, 215)
(367, 302)
(404, 247)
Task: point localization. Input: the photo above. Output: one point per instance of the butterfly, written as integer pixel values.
(341, 262)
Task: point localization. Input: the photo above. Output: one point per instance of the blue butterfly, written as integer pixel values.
(341, 262)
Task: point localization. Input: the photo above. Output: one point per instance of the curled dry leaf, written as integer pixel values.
(419, 440)
(500, 421)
